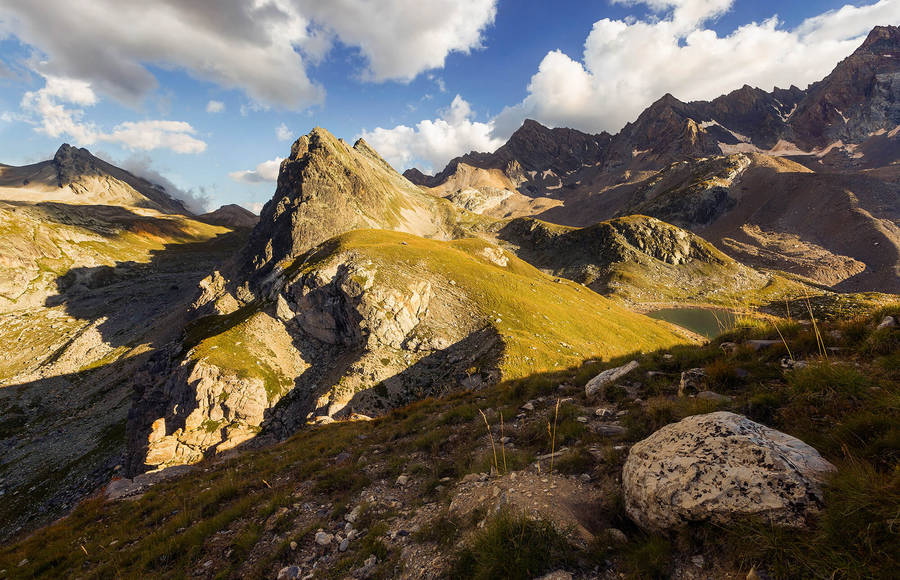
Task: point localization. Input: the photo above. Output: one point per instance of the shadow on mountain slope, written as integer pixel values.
(68, 368)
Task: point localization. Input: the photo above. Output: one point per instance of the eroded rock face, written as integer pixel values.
(221, 412)
(717, 466)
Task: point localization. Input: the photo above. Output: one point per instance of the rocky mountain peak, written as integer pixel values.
(881, 39)
(325, 188)
(72, 163)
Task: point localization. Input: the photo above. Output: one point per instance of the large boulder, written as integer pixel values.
(717, 466)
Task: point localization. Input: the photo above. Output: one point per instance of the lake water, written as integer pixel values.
(707, 322)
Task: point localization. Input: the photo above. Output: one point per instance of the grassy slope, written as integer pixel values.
(845, 406)
(639, 277)
(48, 241)
(546, 323)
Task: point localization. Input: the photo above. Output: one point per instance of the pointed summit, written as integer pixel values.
(326, 188)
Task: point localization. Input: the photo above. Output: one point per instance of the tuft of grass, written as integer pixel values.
(856, 536)
(512, 546)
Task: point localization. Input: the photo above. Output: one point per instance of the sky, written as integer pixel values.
(206, 96)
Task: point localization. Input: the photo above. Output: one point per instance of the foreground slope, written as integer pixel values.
(421, 492)
(366, 322)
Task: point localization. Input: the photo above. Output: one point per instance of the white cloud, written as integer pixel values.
(283, 133)
(147, 135)
(215, 107)
(265, 171)
(254, 207)
(434, 142)
(626, 65)
(197, 200)
(261, 47)
(402, 38)
(49, 111)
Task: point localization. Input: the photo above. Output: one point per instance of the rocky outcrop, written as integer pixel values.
(719, 466)
(636, 256)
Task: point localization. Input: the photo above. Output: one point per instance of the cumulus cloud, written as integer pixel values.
(400, 38)
(626, 65)
(197, 200)
(434, 142)
(264, 172)
(262, 47)
(215, 107)
(54, 109)
(283, 133)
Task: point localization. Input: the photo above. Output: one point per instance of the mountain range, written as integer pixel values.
(765, 176)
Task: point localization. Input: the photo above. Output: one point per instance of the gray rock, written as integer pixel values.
(353, 515)
(345, 543)
(324, 538)
(692, 381)
(402, 480)
(600, 382)
(604, 412)
(289, 573)
(888, 322)
(556, 575)
(716, 466)
(761, 344)
(714, 397)
(728, 347)
(608, 430)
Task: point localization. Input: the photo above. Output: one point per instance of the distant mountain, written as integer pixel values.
(231, 215)
(639, 259)
(76, 176)
(781, 169)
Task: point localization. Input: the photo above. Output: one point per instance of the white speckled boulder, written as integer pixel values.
(715, 466)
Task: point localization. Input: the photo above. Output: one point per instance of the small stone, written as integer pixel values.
(24, 562)
(888, 322)
(353, 515)
(370, 561)
(598, 384)
(529, 406)
(293, 546)
(323, 538)
(604, 412)
(691, 382)
(289, 573)
(761, 344)
(402, 480)
(505, 440)
(697, 560)
(714, 397)
(345, 543)
(582, 419)
(728, 347)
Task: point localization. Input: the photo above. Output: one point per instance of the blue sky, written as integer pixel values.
(478, 68)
